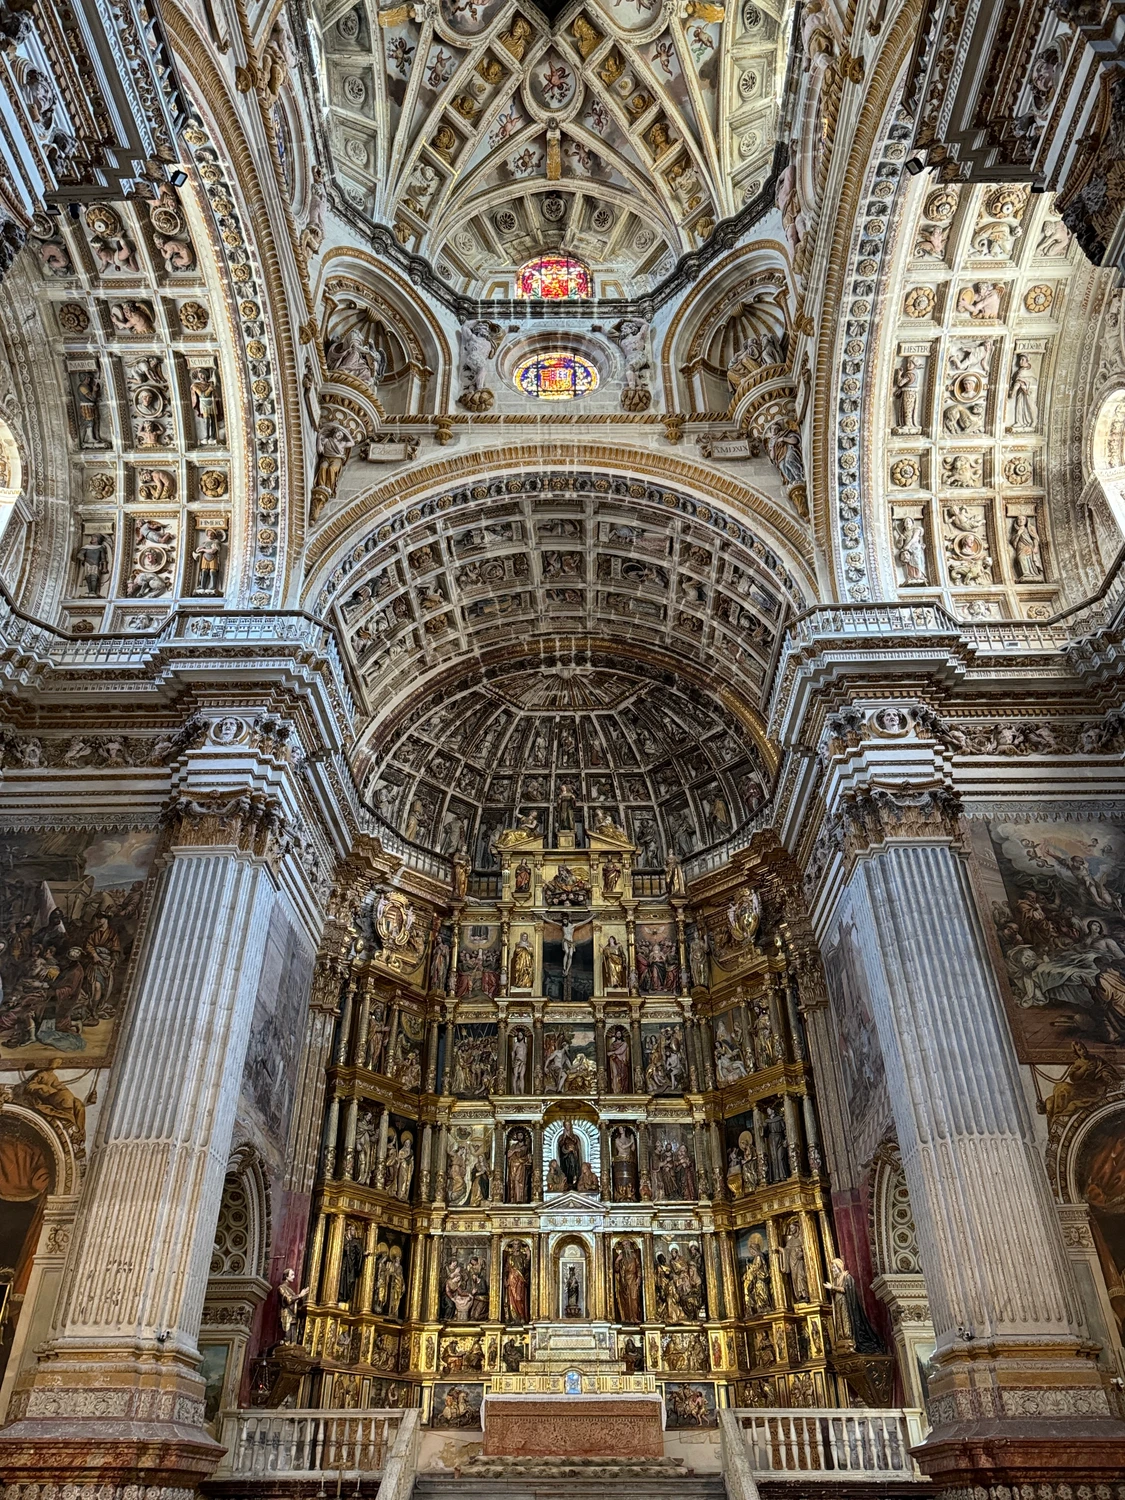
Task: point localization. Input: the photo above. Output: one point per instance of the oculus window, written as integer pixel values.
(555, 377)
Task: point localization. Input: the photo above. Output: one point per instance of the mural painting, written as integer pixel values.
(70, 906)
(1054, 892)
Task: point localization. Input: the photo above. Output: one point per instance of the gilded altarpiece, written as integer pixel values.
(569, 1128)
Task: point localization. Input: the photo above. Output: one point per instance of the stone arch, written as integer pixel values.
(1081, 1165)
(756, 277)
(238, 1280)
(352, 272)
(29, 1308)
(894, 1238)
(242, 1234)
(572, 1250)
(899, 1282)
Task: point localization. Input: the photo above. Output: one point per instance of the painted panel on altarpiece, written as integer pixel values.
(681, 1294)
(70, 906)
(665, 1057)
(690, 1405)
(474, 1060)
(1053, 892)
(478, 962)
(570, 1064)
(464, 1279)
(658, 958)
(674, 1178)
(457, 1405)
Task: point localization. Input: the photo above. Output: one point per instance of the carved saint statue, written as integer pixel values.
(570, 1156)
(518, 1162)
(850, 1327)
(523, 964)
(1026, 551)
(518, 1049)
(290, 1307)
(618, 1063)
(613, 965)
(628, 1280)
(1022, 394)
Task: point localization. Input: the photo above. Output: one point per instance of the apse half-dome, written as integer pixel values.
(666, 761)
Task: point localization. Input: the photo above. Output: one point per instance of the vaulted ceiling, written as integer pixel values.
(669, 764)
(486, 131)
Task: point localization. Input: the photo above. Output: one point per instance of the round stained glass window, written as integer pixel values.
(553, 276)
(556, 377)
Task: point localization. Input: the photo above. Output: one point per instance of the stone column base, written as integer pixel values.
(990, 1459)
(166, 1464)
(95, 1419)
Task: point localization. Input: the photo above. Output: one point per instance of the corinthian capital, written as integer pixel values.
(247, 820)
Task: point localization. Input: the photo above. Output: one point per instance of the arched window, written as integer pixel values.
(554, 276)
(556, 376)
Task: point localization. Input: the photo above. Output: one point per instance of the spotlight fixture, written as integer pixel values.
(915, 165)
(177, 178)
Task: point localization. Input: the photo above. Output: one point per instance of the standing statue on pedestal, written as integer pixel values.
(850, 1327)
(564, 808)
(290, 1308)
(351, 1265)
(570, 1156)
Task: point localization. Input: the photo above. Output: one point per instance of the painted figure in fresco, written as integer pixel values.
(1086, 1080)
(627, 1281)
(518, 1158)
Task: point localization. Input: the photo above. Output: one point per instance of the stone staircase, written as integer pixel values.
(575, 1479)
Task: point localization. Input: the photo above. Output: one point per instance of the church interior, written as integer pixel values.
(587, 955)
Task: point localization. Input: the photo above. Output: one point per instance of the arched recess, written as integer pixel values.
(270, 303)
(351, 275)
(42, 1161)
(704, 354)
(899, 1282)
(1085, 1152)
(238, 1282)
